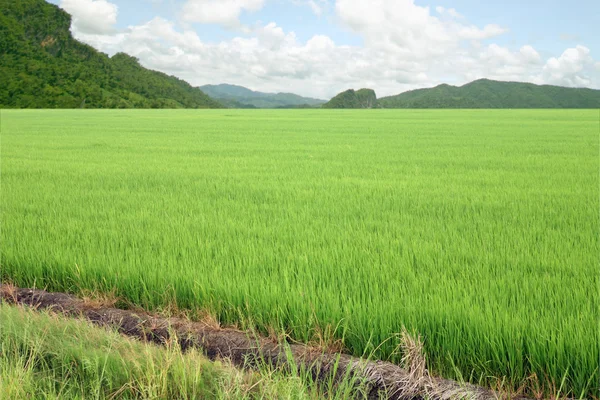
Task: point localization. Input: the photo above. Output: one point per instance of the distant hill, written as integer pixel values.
(363, 98)
(240, 97)
(43, 66)
(485, 93)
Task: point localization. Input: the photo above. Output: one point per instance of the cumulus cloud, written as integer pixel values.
(402, 26)
(223, 12)
(92, 16)
(405, 47)
(395, 26)
(572, 68)
(269, 59)
(498, 55)
(530, 55)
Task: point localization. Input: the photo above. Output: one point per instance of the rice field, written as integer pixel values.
(478, 230)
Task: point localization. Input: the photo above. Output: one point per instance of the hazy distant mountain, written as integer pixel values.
(362, 98)
(43, 66)
(485, 93)
(240, 97)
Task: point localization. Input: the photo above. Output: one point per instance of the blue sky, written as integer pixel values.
(548, 24)
(319, 47)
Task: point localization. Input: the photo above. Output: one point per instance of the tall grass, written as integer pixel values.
(45, 356)
(477, 229)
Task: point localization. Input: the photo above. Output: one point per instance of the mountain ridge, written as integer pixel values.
(240, 96)
(487, 93)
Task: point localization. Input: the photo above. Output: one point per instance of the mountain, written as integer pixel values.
(43, 66)
(235, 96)
(485, 93)
(363, 98)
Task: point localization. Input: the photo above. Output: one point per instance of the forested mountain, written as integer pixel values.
(485, 93)
(240, 97)
(363, 98)
(43, 66)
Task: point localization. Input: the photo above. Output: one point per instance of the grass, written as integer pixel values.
(45, 356)
(476, 229)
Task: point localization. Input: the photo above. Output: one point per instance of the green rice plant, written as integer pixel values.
(476, 229)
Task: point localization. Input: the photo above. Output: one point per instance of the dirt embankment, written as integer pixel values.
(382, 379)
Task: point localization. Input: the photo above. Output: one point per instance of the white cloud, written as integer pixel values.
(572, 68)
(451, 12)
(530, 55)
(494, 54)
(395, 26)
(401, 26)
(223, 12)
(269, 60)
(317, 6)
(405, 47)
(92, 16)
(320, 42)
(474, 33)
(491, 61)
(273, 37)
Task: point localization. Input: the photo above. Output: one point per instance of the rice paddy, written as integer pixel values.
(476, 229)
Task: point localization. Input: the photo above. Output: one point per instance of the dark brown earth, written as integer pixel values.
(382, 379)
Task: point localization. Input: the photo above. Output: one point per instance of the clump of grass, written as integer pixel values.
(413, 360)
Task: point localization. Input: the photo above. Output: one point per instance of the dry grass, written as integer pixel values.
(99, 299)
(414, 362)
(7, 291)
(207, 319)
(326, 340)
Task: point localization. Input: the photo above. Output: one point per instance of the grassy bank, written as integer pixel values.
(45, 356)
(477, 229)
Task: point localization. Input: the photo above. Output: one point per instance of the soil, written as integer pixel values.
(247, 350)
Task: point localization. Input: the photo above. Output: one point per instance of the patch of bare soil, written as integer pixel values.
(382, 379)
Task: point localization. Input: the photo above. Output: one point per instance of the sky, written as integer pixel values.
(318, 48)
